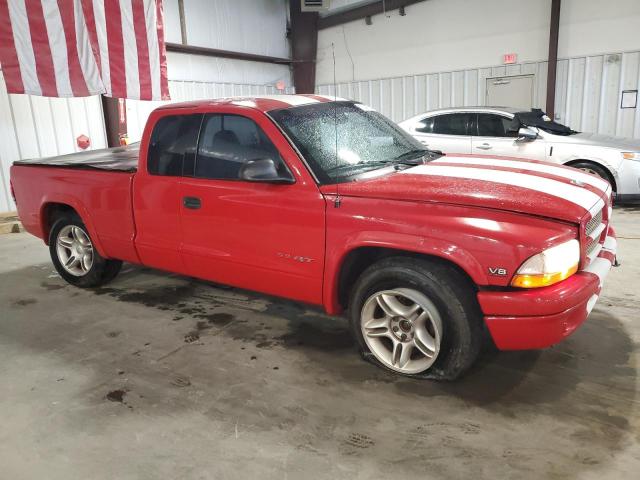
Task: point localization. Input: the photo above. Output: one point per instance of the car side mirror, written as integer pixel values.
(526, 134)
(263, 170)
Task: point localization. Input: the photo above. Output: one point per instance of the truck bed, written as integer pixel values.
(117, 159)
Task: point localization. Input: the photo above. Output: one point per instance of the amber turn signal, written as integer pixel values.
(523, 280)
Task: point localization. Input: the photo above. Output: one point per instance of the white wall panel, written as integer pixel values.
(33, 126)
(455, 35)
(588, 91)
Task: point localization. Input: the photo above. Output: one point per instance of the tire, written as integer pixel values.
(596, 169)
(70, 244)
(447, 323)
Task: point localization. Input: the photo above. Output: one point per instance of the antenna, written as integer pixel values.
(337, 201)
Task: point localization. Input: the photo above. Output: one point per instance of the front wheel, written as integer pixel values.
(417, 318)
(74, 256)
(595, 169)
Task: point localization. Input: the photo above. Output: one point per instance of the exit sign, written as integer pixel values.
(508, 58)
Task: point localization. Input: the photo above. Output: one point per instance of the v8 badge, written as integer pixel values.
(498, 271)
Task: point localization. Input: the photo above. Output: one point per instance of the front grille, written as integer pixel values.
(593, 223)
(591, 246)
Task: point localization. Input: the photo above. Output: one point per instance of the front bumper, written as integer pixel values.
(538, 318)
(628, 182)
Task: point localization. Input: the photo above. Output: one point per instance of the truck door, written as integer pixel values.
(261, 236)
(156, 196)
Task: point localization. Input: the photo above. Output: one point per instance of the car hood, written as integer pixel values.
(595, 139)
(528, 187)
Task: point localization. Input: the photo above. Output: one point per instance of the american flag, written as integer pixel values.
(76, 48)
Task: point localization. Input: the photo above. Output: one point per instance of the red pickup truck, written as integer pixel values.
(330, 203)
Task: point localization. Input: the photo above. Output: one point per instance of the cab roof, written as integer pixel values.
(263, 103)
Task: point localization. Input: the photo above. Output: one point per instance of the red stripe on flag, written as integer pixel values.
(144, 68)
(76, 75)
(164, 83)
(90, 22)
(116, 48)
(8, 53)
(41, 48)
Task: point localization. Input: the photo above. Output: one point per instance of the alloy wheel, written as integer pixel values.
(402, 328)
(75, 250)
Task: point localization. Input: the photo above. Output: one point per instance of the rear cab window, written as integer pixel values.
(172, 145)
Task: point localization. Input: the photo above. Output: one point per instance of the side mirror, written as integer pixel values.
(263, 170)
(526, 134)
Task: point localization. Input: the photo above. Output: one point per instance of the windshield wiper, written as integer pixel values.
(418, 154)
(410, 158)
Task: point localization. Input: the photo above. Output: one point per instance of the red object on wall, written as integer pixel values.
(83, 142)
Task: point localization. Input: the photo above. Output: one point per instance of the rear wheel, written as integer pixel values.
(74, 256)
(416, 318)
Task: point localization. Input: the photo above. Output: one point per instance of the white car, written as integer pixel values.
(495, 131)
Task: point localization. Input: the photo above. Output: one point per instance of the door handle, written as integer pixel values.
(424, 143)
(484, 146)
(193, 203)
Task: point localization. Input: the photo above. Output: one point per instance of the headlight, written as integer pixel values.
(631, 156)
(548, 267)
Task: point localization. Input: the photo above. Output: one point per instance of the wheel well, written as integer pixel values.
(359, 259)
(612, 180)
(50, 213)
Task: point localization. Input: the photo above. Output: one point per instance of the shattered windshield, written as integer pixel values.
(342, 140)
(537, 118)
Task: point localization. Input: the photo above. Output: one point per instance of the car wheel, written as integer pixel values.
(74, 256)
(594, 169)
(416, 318)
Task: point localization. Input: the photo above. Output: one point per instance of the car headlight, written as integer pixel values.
(548, 267)
(631, 156)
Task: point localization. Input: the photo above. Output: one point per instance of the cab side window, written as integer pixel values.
(452, 124)
(172, 144)
(227, 142)
(491, 125)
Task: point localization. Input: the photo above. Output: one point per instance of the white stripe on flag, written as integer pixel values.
(563, 172)
(24, 47)
(101, 33)
(85, 53)
(130, 46)
(578, 195)
(154, 50)
(58, 45)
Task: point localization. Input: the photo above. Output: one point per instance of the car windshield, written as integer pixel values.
(366, 140)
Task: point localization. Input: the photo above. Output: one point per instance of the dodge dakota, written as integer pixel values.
(328, 202)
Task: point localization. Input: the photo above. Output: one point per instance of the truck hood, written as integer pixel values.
(528, 187)
(595, 139)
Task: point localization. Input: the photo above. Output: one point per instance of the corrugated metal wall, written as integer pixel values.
(138, 111)
(33, 126)
(588, 91)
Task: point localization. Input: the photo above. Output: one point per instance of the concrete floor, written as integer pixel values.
(160, 376)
